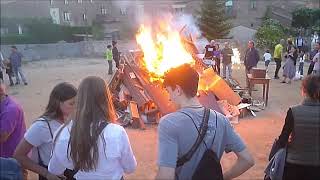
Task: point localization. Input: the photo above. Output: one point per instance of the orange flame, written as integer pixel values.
(162, 49)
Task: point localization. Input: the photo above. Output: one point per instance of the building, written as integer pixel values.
(120, 16)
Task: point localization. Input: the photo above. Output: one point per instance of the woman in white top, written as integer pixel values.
(39, 137)
(92, 143)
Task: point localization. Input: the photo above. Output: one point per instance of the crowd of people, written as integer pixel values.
(76, 138)
(285, 52)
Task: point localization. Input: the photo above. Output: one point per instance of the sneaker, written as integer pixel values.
(276, 78)
(25, 84)
(283, 82)
(17, 83)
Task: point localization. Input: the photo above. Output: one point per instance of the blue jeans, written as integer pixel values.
(227, 70)
(301, 68)
(18, 71)
(10, 169)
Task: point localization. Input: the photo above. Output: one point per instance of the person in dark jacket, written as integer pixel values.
(251, 58)
(115, 53)
(303, 124)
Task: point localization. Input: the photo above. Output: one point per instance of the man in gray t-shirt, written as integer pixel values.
(177, 133)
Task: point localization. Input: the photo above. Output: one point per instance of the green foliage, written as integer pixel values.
(270, 33)
(97, 31)
(213, 22)
(306, 18)
(39, 31)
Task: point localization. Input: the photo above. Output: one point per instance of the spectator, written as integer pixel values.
(289, 69)
(91, 143)
(300, 43)
(15, 60)
(303, 122)
(108, 56)
(115, 53)
(267, 58)
(302, 58)
(12, 125)
(208, 54)
(316, 60)
(312, 54)
(9, 72)
(39, 137)
(227, 53)
(251, 58)
(178, 131)
(1, 65)
(216, 58)
(277, 56)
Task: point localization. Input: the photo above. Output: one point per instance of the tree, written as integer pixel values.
(306, 18)
(213, 22)
(97, 31)
(270, 33)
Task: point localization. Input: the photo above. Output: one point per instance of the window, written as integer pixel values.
(178, 8)
(84, 16)
(51, 2)
(253, 4)
(123, 11)
(229, 8)
(66, 16)
(104, 10)
(79, 1)
(66, 2)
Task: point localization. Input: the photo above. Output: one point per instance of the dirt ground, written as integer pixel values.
(258, 132)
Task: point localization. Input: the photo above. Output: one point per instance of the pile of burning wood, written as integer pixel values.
(136, 88)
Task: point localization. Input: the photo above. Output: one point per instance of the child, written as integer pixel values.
(108, 56)
(302, 57)
(267, 58)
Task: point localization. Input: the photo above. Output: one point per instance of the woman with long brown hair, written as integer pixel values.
(39, 137)
(91, 142)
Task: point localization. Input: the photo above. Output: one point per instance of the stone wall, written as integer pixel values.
(33, 52)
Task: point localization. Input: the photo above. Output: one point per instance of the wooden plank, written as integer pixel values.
(210, 81)
(134, 113)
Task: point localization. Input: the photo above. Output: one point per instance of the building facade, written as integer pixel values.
(126, 15)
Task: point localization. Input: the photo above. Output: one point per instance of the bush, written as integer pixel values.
(41, 31)
(16, 39)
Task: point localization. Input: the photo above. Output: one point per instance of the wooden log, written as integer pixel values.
(210, 81)
(135, 116)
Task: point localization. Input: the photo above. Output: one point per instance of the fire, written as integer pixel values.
(162, 48)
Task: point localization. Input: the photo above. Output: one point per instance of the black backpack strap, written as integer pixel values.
(214, 136)
(201, 134)
(50, 130)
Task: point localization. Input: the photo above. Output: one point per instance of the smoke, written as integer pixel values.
(188, 25)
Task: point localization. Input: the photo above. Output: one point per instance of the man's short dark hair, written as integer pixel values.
(184, 76)
(109, 46)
